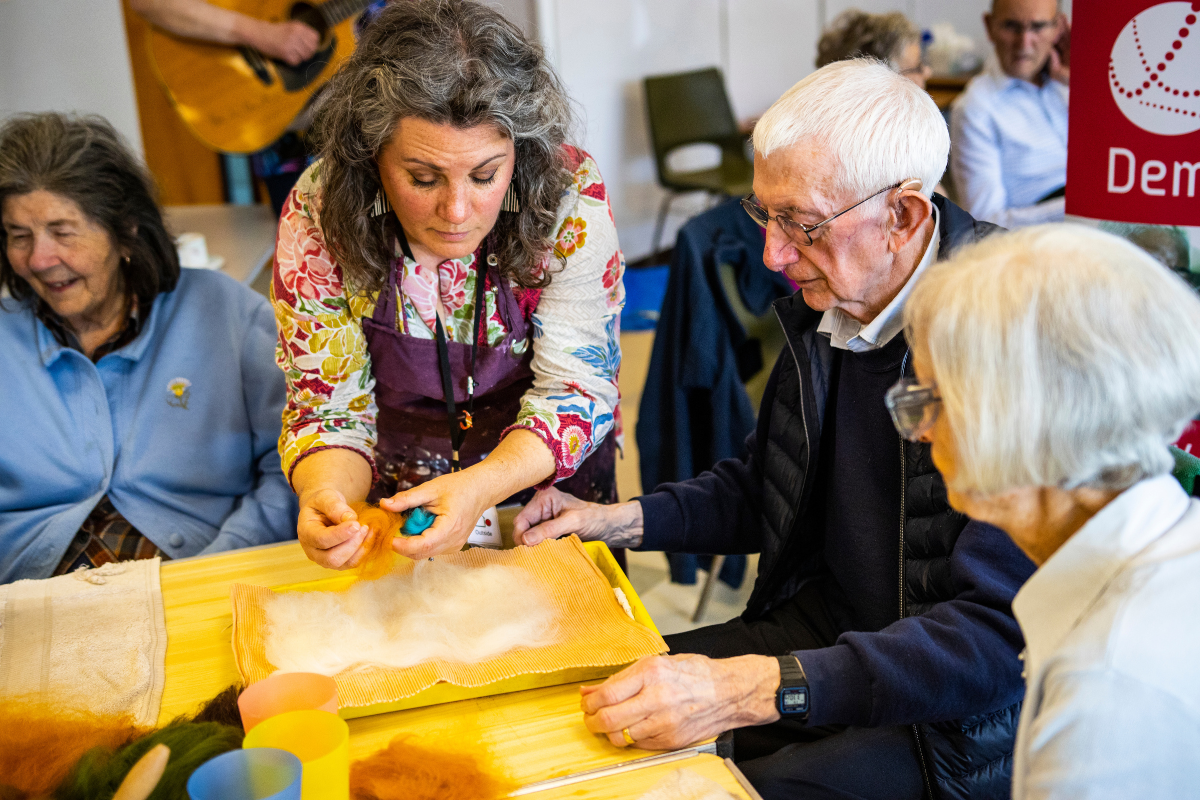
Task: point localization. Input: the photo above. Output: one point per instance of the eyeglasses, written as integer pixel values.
(795, 229)
(913, 406)
(918, 69)
(1017, 29)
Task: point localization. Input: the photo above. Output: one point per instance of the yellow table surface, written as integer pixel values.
(531, 736)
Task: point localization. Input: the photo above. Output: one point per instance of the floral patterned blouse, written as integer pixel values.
(573, 403)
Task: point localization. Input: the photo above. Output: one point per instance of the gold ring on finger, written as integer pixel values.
(628, 737)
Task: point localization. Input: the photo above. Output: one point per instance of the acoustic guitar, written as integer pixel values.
(235, 99)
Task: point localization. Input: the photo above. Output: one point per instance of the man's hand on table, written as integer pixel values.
(668, 702)
(551, 514)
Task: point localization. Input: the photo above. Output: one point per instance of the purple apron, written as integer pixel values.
(414, 444)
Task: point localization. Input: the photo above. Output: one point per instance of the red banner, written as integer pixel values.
(1133, 149)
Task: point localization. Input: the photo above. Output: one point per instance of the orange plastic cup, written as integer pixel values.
(322, 743)
(286, 691)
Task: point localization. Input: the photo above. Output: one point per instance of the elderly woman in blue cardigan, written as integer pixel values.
(142, 401)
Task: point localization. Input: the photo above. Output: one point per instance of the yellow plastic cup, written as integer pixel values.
(286, 691)
(322, 743)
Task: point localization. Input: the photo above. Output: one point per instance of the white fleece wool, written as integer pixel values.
(438, 611)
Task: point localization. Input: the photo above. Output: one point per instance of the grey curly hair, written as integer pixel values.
(855, 34)
(450, 62)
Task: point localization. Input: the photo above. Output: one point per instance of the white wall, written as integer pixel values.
(603, 50)
(67, 55)
(521, 13)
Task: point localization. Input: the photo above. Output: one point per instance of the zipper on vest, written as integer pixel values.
(903, 515)
(790, 541)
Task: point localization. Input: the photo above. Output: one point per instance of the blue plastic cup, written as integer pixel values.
(262, 773)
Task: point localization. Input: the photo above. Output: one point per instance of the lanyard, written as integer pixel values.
(458, 427)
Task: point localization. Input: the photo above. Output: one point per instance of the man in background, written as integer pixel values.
(1009, 128)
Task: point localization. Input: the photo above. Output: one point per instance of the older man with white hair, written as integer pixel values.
(877, 656)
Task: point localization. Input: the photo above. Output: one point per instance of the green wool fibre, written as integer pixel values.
(100, 772)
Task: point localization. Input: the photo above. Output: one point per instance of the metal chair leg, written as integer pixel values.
(662, 220)
(710, 583)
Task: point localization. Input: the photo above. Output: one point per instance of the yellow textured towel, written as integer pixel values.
(594, 631)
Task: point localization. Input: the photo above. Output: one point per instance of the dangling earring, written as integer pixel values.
(511, 202)
(381, 205)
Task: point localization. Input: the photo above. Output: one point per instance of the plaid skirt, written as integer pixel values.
(106, 536)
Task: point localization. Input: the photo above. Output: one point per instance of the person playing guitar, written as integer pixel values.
(290, 43)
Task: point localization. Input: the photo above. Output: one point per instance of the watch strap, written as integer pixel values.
(792, 683)
(790, 672)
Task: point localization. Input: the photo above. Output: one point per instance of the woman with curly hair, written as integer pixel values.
(447, 287)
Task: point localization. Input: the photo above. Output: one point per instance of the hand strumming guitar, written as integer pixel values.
(290, 42)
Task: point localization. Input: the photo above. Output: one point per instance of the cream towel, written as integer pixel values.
(93, 639)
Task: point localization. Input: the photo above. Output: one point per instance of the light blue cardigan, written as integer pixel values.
(179, 428)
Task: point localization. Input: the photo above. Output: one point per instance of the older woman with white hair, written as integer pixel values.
(1053, 367)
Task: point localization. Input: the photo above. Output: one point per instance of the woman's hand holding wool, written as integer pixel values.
(457, 501)
(328, 530)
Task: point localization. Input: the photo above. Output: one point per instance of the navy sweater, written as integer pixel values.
(956, 660)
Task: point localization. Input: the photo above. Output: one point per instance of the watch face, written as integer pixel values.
(794, 701)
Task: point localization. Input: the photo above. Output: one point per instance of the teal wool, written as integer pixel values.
(100, 772)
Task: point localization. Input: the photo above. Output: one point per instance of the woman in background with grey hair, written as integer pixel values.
(890, 38)
(447, 287)
(1053, 367)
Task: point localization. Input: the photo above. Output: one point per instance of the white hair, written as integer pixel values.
(880, 127)
(1065, 356)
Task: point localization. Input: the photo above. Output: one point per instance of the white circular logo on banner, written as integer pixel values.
(1154, 71)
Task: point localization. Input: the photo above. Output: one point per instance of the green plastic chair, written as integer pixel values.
(1187, 469)
(692, 108)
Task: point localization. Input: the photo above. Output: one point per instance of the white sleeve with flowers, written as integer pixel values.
(572, 405)
(322, 349)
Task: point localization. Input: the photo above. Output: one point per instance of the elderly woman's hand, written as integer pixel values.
(551, 514)
(329, 531)
(457, 499)
(668, 702)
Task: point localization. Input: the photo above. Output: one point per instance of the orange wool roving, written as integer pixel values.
(40, 743)
(384, 526)
(403, 771)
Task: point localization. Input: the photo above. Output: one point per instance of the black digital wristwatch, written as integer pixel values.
(792, 697)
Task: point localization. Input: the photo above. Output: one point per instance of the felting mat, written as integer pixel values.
(594, 631)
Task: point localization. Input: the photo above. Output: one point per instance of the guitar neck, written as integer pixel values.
(334, 11)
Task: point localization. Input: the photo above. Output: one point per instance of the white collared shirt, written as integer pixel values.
(847, 333)
(1112, 659)
(1009, 147)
